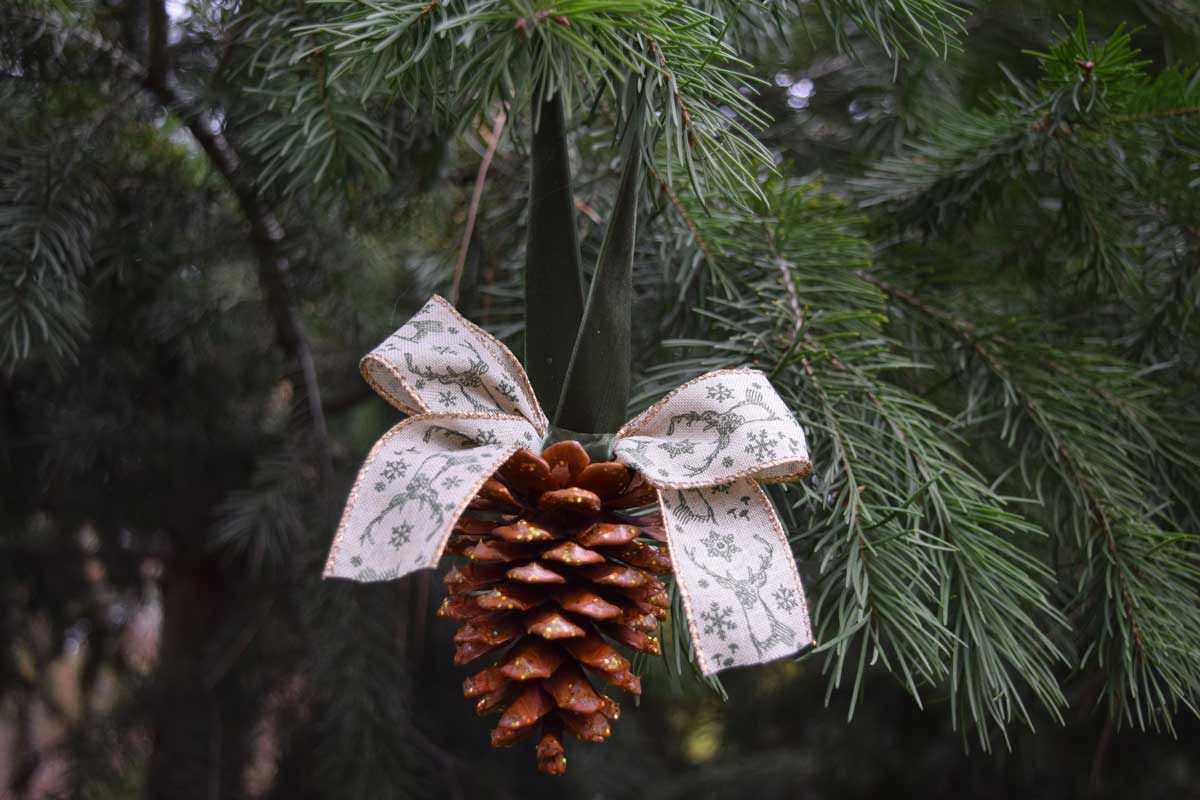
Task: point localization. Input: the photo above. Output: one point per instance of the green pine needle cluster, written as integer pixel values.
(922, 568)
(974, 283)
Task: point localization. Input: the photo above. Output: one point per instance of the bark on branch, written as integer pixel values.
(266, 232)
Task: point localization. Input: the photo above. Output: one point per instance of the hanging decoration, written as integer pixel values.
(563, 556)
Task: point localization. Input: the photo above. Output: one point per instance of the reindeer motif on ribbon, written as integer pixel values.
(470, 377)
(471, 407)
(748, 591)
(723, 423)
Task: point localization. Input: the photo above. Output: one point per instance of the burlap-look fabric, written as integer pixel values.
(705, 446)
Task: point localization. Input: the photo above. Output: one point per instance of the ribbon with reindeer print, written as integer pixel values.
(706, 447)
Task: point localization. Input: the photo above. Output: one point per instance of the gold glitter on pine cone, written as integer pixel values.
(558, 578)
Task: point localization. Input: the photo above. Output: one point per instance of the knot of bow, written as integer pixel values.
(705, 447)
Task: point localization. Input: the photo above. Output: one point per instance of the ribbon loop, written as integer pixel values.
(705, 446)
(413, 487)
(439, 361)
(722, 426)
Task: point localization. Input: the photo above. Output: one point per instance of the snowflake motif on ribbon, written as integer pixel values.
(748, 592)
(720, 393)
(721, 545)
(487, 437)
(761, 444)
(392, 470)
(785, 598)
(717, 620)
(448, 399)
(400, 535)
(754, 410)
(420, 492)
(453, 482)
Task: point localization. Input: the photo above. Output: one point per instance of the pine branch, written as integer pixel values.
(919, 558)
(1133, 567)
(261, 525)
(576, 49)
(267, 234)
(306, 128)
(49, 213)
(268, 237)
(1081, 135)
(1070, 460)
(1160, 114)
(934, 24)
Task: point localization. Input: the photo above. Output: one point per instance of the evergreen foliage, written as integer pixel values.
(960, 238)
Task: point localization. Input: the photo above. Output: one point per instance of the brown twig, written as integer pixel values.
(684, 114)
(475, 197)
(789, 282)
(1186, 111)
(266, 232)
(683, 213)
(473, 210)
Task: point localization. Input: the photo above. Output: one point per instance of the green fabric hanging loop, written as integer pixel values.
(599, 446)
(595, 392)
(553, 279)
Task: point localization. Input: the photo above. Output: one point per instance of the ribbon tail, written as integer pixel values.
(414, 485)
(736, 575)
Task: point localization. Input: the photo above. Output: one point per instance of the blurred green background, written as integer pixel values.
(166, 500)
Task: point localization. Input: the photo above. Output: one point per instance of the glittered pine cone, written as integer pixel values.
(559, 579)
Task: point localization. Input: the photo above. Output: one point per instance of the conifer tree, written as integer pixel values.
(961, 240)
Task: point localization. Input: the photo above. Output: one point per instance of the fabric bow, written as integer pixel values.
(705, 447)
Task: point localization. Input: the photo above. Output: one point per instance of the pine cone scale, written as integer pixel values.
(558, 576)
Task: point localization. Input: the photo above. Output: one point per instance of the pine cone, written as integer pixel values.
(558, 569)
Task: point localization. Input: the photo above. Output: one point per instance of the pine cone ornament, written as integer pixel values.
(559, 577)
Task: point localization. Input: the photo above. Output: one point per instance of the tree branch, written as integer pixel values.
(966, 333)
(473, 210)
(266, 233)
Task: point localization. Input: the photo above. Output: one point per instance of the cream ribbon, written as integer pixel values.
(706, 447)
